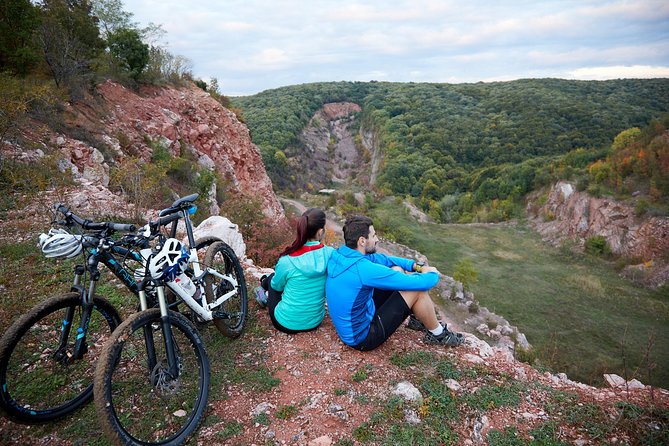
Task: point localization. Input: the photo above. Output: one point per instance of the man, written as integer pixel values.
(369, 296)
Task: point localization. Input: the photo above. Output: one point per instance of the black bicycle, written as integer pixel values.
(47, 356)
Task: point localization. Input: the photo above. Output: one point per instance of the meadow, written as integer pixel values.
(581, 317)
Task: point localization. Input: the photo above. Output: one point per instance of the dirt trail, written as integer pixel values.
(330, 224)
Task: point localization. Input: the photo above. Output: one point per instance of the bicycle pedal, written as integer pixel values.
(220, 315)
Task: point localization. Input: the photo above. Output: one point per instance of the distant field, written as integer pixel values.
(582, 318)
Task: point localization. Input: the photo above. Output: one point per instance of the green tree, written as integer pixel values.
(111, 16)
(126, 45)
(18, 22)
(70, 40)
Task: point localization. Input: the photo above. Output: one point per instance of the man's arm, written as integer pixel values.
(390, 261)
(381, 276)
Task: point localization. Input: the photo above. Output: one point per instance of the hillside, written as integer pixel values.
(464, 152)
(268, 387)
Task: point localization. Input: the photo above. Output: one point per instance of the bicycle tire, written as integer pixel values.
(36, 387)
(221, 257)
(134, 410)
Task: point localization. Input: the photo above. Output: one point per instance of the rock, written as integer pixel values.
(520, 374)
(411, 416)
(224, 229)
(635, 384)
(474, 359)
(338, 411)
(484, 350)
(483, 329)
(614, 380)
(505, 330)
(262, 408)
(407, 391)
(453, 385)
(521, 341)
(321, 441)
(578, 216)
(480, 426)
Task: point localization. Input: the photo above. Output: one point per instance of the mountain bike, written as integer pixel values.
(47, 356)
(152, 378)
(214, 288)
(46, 365)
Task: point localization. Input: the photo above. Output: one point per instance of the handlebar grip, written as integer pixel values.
(162, 221)
(122, 227)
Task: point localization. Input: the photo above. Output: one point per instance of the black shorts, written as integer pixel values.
(391, 310)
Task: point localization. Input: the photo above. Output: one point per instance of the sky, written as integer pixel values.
(255, 45)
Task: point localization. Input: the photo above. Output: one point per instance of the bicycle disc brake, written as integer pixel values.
(163, 381)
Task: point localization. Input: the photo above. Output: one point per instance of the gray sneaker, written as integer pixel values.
(447, 338)
(415, 324)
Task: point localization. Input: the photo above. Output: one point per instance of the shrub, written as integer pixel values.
(465, 273)
(597, 245)
(265, 238)
(641, 207)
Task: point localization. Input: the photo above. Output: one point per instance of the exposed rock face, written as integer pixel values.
(572, 215)
(188, 119)
(130, 124)
(329, 154)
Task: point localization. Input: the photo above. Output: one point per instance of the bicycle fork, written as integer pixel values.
(79, 349)
(172, 368)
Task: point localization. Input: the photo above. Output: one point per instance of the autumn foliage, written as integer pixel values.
(638, 161)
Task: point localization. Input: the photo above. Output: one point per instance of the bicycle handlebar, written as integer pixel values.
(92, 225)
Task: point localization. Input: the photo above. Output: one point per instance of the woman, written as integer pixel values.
(296, 291)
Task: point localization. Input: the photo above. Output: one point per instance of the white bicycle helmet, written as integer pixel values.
(59, 243)
(170, 261)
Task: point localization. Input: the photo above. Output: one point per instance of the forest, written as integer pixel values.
(471, 152)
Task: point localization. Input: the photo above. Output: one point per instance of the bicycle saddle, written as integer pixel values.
(178, 205)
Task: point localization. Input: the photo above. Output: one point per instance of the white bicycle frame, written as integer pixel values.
(203, 310)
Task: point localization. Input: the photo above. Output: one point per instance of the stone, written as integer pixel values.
(483, 329)
(453, 385)
(262, 408)
(614, 380)
(407, 391)
(224, 229)
(474, 359)
(411, 416)
(635, 384)
(321, 441)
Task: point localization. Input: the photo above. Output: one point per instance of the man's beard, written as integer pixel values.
(371, 250)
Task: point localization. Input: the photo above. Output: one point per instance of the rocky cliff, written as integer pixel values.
(567, 214)
(129, 123)
(328, 153)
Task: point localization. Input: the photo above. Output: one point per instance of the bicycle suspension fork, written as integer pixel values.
(79, 348)
(166, 327)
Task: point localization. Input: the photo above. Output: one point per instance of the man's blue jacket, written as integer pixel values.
(350, 285)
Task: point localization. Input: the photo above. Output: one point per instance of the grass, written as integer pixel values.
(570, 306)
(28, 278)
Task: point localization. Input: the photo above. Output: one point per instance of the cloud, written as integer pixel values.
(618, 72)
(255, 44)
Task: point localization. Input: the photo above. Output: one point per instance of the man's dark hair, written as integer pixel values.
(355, 227)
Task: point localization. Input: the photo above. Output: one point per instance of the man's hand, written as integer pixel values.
(429, 269)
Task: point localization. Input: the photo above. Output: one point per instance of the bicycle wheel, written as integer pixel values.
(231, 315)
(136, 398)
(40, 380)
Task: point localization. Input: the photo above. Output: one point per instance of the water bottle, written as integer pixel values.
(188, 286)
